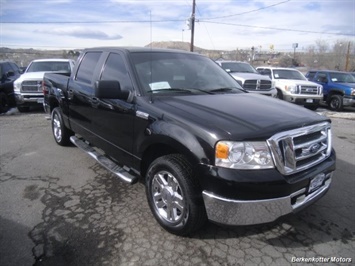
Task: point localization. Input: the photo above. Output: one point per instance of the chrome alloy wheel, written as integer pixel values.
(168, 199)
(57, 129)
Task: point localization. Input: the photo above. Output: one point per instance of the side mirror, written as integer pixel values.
(10, 74)
(110, 89)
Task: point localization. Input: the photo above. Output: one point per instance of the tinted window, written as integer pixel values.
(6, 68)
(311, 75)
(115, 69)
(87, 67)
(15, 68)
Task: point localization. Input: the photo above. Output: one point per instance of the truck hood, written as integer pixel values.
(237, 116)
(31, 76)
(244, 76)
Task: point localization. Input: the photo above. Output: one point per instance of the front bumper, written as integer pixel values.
(29, 99)
(271, 93)
(246, 197)
(348, 101)
(248, 212)
(303, 99)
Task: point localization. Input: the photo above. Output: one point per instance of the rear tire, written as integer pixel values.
(336, 103)
(60, 132)
(3, 103)
(174, 195)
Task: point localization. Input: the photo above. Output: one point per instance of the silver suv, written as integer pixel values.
(293, 86)
(247, 77)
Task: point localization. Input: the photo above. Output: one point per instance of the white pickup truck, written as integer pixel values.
(293, 86)
(28, 87)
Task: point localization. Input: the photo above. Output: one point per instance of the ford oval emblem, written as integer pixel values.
(314, 148)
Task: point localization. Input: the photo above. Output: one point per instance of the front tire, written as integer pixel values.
(60, 132)
(174, 196)
(336, 103)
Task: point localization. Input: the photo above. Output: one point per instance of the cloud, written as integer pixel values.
(81, 32)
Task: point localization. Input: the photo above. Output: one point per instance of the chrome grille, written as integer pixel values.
(31, 86)
(257, 84)
(312, 90)
(296, 150)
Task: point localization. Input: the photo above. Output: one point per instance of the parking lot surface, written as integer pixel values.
(59, 207)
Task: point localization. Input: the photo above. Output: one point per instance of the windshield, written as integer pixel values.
(166, 72)
(342, 77)
(49, 66)
(288, 74)
(238, 67)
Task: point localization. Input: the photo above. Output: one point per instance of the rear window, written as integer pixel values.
(87, 67)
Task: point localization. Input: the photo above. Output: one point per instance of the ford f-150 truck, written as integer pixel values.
(292, 86)
(28, 87)
(204, 148)
(338, 87)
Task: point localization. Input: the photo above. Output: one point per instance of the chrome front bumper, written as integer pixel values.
(241, 212)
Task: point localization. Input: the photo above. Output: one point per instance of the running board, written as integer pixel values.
(104, 161)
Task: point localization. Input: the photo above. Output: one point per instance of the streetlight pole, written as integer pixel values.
(192, 21)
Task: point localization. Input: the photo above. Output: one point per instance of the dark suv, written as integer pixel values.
(9, 72)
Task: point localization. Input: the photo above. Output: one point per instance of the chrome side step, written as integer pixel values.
(104, 161)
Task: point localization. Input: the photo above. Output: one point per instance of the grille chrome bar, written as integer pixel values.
(296, 150)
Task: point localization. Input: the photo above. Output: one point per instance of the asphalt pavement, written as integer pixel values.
(58, 207)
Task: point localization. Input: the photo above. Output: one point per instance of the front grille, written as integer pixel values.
(312, 90)
(257, 84)
(31, 86)
(296, 150)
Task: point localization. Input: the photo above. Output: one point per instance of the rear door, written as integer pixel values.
(81, 92)
(113, 119)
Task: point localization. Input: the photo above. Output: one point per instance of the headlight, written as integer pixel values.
(292, 89)
(243, 155)
(352, 93)
(17, 86)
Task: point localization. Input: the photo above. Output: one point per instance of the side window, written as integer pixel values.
(6, 68)
(15, 67)
(311, 75)
(322, 77)
(266, 72)
(87, 67)
(115, 69)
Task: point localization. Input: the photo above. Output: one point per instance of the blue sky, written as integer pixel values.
(223, 24)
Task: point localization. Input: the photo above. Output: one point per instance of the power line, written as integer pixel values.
(279, 29)
(247, 12)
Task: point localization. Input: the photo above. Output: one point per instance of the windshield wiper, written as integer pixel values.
(170, 90)
(227, 89)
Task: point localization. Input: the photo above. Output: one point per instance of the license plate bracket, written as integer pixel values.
(316, 182)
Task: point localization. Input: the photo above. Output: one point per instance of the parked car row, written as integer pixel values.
(333, 88)
(23, 88)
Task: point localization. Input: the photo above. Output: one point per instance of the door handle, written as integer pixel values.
(70, 94)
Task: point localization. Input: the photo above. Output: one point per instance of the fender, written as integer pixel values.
(176, 137)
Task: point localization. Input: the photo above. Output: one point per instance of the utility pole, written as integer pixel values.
(347, 58)
(192, 23)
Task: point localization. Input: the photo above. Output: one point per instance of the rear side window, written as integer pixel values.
(311, 75)
(87, 67)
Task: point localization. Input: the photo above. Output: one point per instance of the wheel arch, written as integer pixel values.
(161, 148)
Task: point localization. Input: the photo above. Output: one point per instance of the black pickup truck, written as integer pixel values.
(205, 149)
